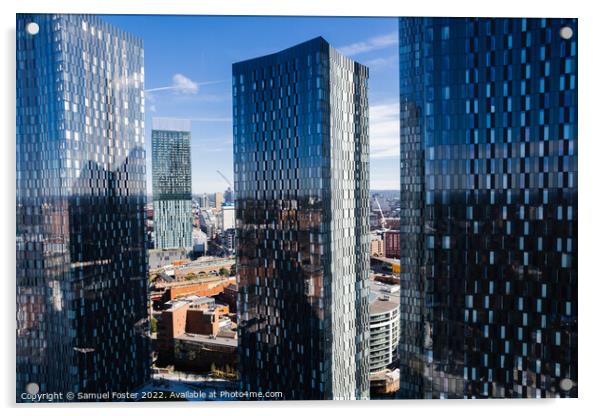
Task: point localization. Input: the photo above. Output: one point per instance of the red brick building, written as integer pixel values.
(392, 244)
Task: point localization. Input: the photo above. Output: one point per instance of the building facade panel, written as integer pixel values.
(489, 189)
(172, 186)
(81, 192)
(301, 180)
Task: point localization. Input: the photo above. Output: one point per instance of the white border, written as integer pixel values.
(589, 150)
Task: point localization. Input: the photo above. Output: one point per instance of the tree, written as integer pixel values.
(224, 272)
(153, 325)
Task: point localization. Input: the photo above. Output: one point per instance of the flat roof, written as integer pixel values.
(206, 339)
(380, 290)
(382, 306)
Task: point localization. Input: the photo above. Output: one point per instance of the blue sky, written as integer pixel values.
(188, 66)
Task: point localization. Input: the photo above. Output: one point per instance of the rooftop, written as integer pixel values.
(208, 339)
(383, 297)
(378, 306)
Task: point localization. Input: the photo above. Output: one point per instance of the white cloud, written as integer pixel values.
(381, 62)
(384, 130)
(184, 85)
(377, 42)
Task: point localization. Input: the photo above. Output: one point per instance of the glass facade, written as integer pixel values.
(301, 178)
(489, 207)
(172, 187)
(81, 189)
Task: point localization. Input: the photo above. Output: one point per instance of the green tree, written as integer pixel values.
(153, 325)
(224, 272)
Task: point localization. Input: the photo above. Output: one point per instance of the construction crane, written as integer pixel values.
(225, 178)
(383, 221)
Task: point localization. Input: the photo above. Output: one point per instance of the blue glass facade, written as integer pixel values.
(489, 207)
(81, 191)
(172, 186)
(301, 178)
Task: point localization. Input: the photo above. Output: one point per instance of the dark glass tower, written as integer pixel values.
(81, 190)
(172, 186)
(301, 178)
(489, 207)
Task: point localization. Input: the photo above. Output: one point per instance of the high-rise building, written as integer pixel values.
(172, 188)
(204, 201)
(229, 196)
(301, 177)
(81, 194)
(219, 200)
(488, 207)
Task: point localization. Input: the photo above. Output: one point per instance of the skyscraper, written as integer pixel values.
(81, 194)
(488, 207)
(172, 187)
(301, 178)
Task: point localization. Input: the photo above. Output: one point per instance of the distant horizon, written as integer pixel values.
(195, 194)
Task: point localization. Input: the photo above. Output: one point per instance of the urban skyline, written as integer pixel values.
(299, 281)
(193, 80)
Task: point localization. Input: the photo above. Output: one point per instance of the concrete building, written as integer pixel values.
(208, 222)
(199, 242)
(384, 325)
(384, 337)
(219, 200)
(162, 258)
(204, 202)
(377, 246)
(229, 238)
(227, 220)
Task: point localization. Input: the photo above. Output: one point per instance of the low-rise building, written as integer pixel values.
(204, 352)
(228, 296)
(384, 382)
(204, 265)
(196, 333)
(158, 258)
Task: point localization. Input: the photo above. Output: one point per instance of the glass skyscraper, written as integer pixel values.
(301, 178)
(488, 207)
(81, 190)
(172, 188)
